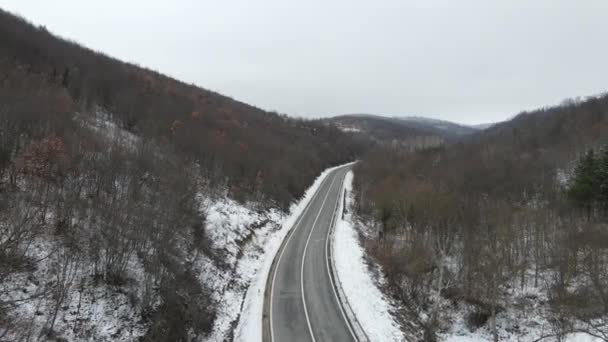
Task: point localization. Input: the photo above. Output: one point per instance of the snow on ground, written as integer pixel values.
(238, 233)
(576, 337)
(370, 306)
(349, 129)
(101, 122)
(526, 317)
(91, 310)
(244, 238)
(249, 327)
(581, 337)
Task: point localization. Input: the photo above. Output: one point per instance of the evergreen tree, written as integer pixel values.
(65, 81)
(583, 188)
(589, 187)
(602, 178)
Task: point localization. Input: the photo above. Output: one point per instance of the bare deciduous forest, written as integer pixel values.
(106, 200)
(519, 206)
(101, 162)
(224, 136)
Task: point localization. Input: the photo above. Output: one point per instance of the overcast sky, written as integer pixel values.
(469, 61)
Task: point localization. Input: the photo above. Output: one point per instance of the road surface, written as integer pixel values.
(303, 304)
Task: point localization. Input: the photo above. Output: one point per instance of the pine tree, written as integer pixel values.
(584, 187)
(602, 179)
(589, 187)
(65, 80)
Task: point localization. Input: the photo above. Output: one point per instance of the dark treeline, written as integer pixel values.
(504, 210)
(256, 151)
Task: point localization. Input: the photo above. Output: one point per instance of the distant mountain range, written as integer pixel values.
(391, 129)
(448, 127)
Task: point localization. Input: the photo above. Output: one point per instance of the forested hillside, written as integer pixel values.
(503, 234)
(225, 137)
(390, 131)
(107, 173)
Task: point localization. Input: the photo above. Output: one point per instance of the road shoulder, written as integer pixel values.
(368, 306)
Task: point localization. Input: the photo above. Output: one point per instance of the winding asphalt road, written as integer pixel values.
(303, 303)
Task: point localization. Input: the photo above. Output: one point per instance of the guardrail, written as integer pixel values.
(351, 318)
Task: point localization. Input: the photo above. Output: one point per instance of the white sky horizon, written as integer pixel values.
(469, 62)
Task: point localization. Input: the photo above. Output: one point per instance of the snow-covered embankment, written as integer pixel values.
(370, 306)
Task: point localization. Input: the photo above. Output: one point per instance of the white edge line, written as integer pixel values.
(338, 301)
(292, 233)
(304, 258)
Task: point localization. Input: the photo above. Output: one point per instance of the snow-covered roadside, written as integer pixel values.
(371, 307)
(238, 233)
(249, 327)
(576, 337)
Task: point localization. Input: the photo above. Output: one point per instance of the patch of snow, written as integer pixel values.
(370, 306)
(249, 327)
(563, 177)
(101, 122)
(351, 129)
(228, 223)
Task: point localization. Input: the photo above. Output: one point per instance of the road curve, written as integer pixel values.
(302, 302)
